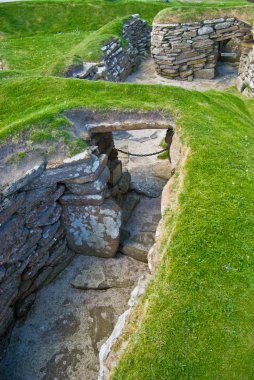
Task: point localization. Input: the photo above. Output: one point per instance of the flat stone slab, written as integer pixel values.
(93, 230)
(90, 187)
(88, 168)
(82, 200)
(66, 326)
(25, 180)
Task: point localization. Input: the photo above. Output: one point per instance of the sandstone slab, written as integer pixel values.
(93, 230)
(90, 187)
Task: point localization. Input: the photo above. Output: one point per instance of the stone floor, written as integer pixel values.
(226, 78)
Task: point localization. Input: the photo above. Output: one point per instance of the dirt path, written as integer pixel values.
(146, 74)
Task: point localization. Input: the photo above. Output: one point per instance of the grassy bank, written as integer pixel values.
(45, 37)
(200, 306)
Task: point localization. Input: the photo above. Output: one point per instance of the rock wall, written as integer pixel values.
(245, 81)
(190, 50)
(119, 58)
(47, 212)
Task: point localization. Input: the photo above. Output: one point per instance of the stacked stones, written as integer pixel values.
(190, 50)
(121, 61)
(118, 61)
(119, 181)
(245, 81)
(44, 213)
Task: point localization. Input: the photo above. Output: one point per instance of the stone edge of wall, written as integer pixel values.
(245, 80)
(40, 229)
(118, 61)
(189, 50)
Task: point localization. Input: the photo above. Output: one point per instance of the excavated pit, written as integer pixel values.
(76, 313)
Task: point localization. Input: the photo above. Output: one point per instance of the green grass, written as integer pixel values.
(199, 314)
(195, 13)
(44, 37)
(198, 311)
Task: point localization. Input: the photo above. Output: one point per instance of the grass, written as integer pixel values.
(185, 14)
(198, 312)
(200, 306)
(45, 37)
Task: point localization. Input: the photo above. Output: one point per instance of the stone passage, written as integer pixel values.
(48, 211)
(119, 58)
(246, 74)
(191, 50)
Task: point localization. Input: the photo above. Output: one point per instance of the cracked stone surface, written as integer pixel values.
(66, 327)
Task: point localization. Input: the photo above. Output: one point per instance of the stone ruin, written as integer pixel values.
(190, 50)
(118, 60)
(58, 209)
(245, 80)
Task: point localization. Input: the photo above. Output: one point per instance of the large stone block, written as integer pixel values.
(25, 180)
(10, 206)
(13, 235)
(205, 74)
(85, 165)
(93, 230)
(90, 187)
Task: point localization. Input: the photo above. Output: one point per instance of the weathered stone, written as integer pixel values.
(135, 250)
(22, 254)
(204, 74)
(10, 206)
(48, 233)
(70, 169)
(13, 235)
(130, 203)
(93, 230)
(90, 187)
(58, 254)
(9, 290)
(205, 30)
(6, 319)
(23, 306)
(82, 200)
(38, 197)
(94, 174)
(2, 273)
(115, 172)
(50, 216)
(95, 278)
(223, 25)
(41, 279)
(25, 180)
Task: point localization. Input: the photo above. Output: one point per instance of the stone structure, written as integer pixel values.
(119, 58)
(51, 209)
(190, 50)
(245, 81)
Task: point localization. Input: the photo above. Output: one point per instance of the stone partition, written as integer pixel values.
(190, 50)
(245, 81)
(46, 216)
(120, 56)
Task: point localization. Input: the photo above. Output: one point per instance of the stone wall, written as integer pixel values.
(190, 50)
(120, 57)
(47, 215)
(245, 81)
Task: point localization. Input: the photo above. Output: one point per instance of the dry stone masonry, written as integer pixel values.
(190, 50)
(120, 57)
(52, 212)
(246, 74)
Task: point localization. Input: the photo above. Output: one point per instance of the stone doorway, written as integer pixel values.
(229, 54)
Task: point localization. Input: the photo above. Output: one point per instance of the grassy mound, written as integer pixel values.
(190, 13)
